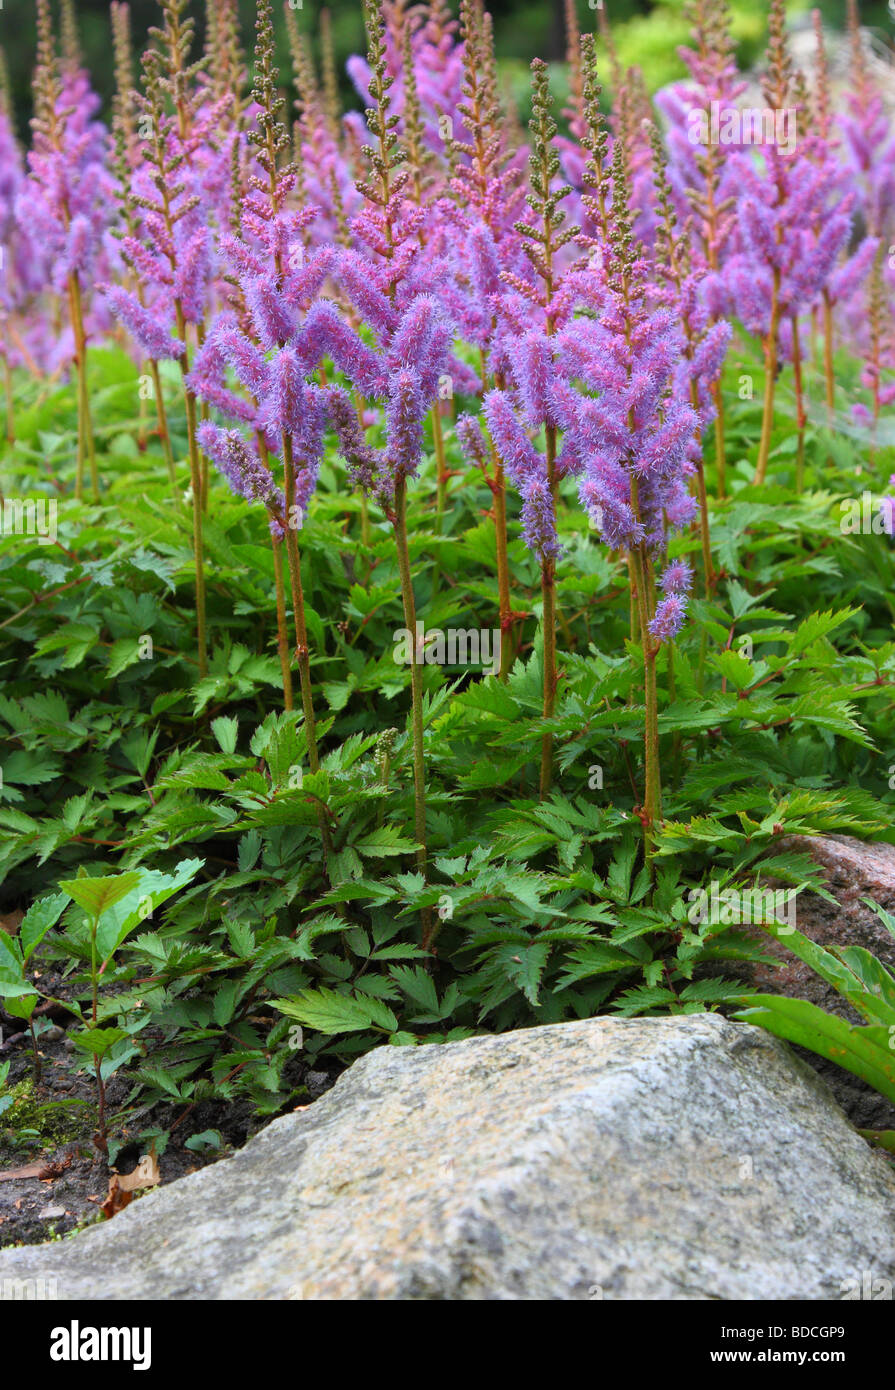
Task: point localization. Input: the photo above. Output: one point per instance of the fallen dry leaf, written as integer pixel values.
(30, 1170)
(11, 921)
(146, 1174)
(44, 1171)
(123, 1186)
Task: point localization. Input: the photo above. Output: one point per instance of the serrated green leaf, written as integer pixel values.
(97, 895)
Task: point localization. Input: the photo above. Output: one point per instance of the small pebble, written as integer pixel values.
(50, 1213)
(53, 1035)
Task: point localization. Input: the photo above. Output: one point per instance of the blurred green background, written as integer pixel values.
(648, 33)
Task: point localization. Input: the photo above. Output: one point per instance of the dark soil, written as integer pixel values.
(53, 1121)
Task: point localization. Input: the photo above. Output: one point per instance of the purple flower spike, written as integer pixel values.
(669, 619)
(241, 467)
(149, 328)
(677, 579)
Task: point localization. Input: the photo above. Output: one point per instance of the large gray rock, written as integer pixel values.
(686, 1158)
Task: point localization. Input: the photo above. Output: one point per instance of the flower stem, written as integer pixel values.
(198, 544)
(548, 622)
(10, 417)
(298, 606)
(438, 441)
(718, 395)
(828, 356)
(499, 493)
(416, 695)
(164, 436)
(652, 801)
(86, 446)
(710, 578)
(282, 631)
(800, 405)
(771, 351)
(100, 1136)
(441, 485)
(302, 648)
(548, 593)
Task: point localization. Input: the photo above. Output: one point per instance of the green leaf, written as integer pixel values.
(524, 966)
(97, 1041)
(328, 1012)
(863, 1051)
(861, 979)
(225, 731)
(596, 958)
(224, 1003)
(15, 989)
(96, 895)
(386, 841)
(152, 888)
(417, 984)
(248, 851)
(242, 939)
(818, 625)
(10, 955)
(208, 1139)
(882, 1138)
(122, 654)
(737, 670)
(40, 917)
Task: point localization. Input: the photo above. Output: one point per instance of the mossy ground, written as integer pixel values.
(44, 1121)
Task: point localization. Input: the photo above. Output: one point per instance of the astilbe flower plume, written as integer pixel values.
(67, 203)
(480, 242)
(792, 227)
(26, 338)
(632, 433)
(702, 174)
(634, 437)
(387, 279)
(676, 281)
(793, 223)
(869, 140)
(878, 371)
(64, 206)
(437, 61)
(324, 177)
(529, 302)
(703, 177)
(170, 244)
